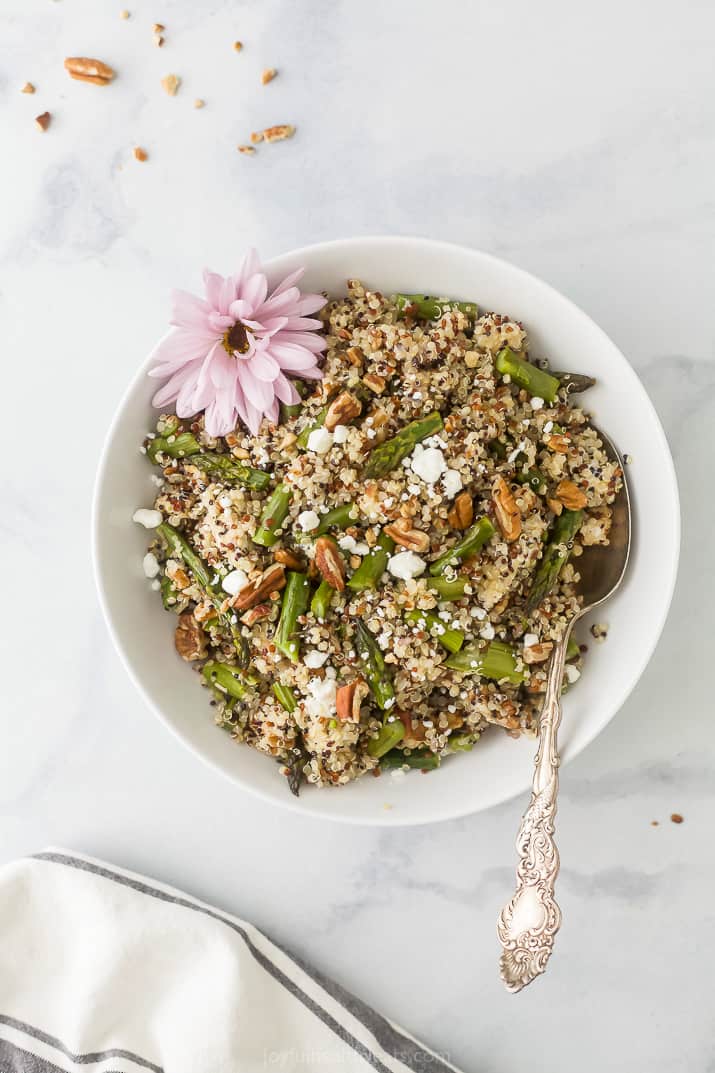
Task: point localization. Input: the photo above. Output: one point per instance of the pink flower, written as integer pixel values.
(228, 353)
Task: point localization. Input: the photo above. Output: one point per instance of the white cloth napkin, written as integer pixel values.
(105, 971)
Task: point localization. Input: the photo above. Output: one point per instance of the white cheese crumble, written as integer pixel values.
(307, 520)
(428, 463)
(320, 441)
(530, 639)
(572, 674)
(537, 402)
(320, 702)
(340, 433)
(234, 582)
(350, 544)
(315, 659)
(150, 565)
(406, 565)
(452, 482)
(148, 518)
(548, 426)
(487, 632)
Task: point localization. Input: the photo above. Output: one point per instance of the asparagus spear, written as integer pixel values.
(285, 696)
(450, 639)
(373, 565)
(446, 589)
(555, 555)
(537, 382)
(462, 743)
(574, 383)
(474, 538)
(321, 600)
(424, 307)
(422, 759)
(533, 477)
(273, 516)
(295, 762)
(389, 454)
(295, 602)
(492, 659)
(337, 518)
(390, 734)
(302, 441)
(226, 679)
(169, 595)
(180, 446)
(373, 665)
(227, 468)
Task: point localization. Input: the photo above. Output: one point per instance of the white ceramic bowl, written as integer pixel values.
(498, 767)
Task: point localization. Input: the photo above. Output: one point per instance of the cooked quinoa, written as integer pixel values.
(421, 659)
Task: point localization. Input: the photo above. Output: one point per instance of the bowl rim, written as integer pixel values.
(447, 811)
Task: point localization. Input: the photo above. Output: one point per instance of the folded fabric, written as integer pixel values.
(105, 971)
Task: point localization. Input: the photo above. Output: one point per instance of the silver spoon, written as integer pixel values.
(528, 923)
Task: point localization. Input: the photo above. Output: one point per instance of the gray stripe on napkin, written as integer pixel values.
(78, 1059)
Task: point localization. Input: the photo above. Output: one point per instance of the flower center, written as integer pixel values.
(236, 339)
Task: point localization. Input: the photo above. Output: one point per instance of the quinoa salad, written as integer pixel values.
(378, 578)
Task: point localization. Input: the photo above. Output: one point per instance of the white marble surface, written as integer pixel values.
(576, 140)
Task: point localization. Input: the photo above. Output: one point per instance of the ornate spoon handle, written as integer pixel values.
(528, 923)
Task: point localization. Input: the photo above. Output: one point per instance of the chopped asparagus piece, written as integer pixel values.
(424, 307)
(390, 734)
(229, 469)
(169, 594)
(273, 516)
(556, 554)
(373, 666)
(295, 603)
(492, 659)
(321, 600)
(446, 589)
(573, 649)
(302, 441)
(337, 518)
(389, 454)
(574, 383)
(462, 743)
(474, 538)
(422, 759)
(181, 446)
(226, 679)
(537, 382)
(450, 639)
(373, 566)
(285, 696)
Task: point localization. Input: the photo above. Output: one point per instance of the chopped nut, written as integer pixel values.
(506, 510)
(237, 46)
(402, 533)
(87, 70)
(538, 653)
(158, 28)
(204, 611)
(170, 84)
(570, 495)
(355, 356)
(28, 88)
(248, 149)
(676, 817)
(461, 514)
(348, 700)
(42, 122)
(342, 410)
(271, 580)
(377, 384)
(268, 75)
(330, 562)
(555, 441)
(279, 133)
(289, 559)
(189, 638)
(140, 154)
(255, 614)
(555, 506)
(124, 14)
(257, 136)
(158, 40)
(199, 103)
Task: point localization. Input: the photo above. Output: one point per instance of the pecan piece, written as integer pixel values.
(555, 441)
(348, 700)
(330, 562)
(87, 70)
(204, 611)
(375, 382)
(402, 533)
(271, 580)
(170, 84)
(279, 133)
(342, 410)
(570, 495)
(355, 356)
(506, 510)
(42, 122)
(461, 514)
(538, 653)
(289, 559)
(255, 614)
(190, 639)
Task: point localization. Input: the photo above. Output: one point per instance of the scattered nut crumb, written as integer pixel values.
(237, 46)
(268, 75)
(654, 823)
(42, 122)
(279, 133)
(198, 103)
(171, 83)
(28, 88)
(158, 28)
(676, 817)
(599, 631)
(124, 14)
(246, 149)
(158, 40)
(85, 69)
(257, 136)
(140, 154)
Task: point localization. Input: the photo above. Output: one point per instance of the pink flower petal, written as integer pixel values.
(264, 367)
(310, 303)
(278, 304)
(288, 282)
(251, 265)
(285, 390)
(254, 290)
(257, 392)
(314, 343)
